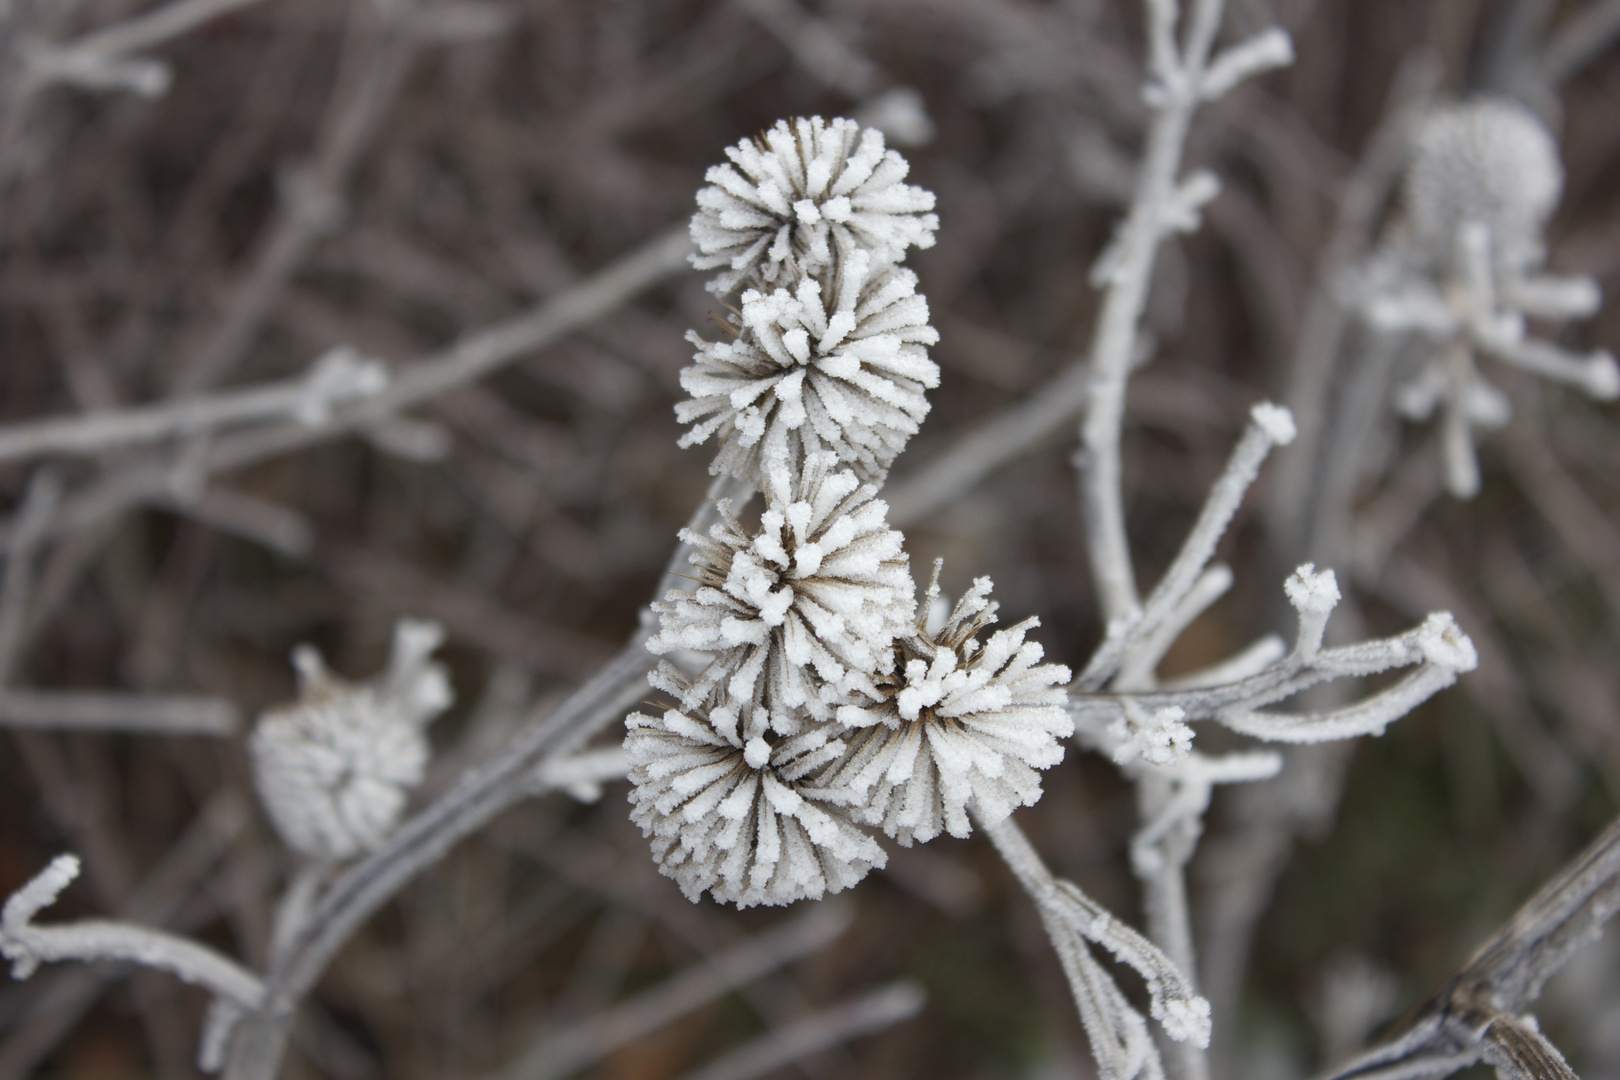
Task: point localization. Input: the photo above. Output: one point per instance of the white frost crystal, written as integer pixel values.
(799, 613)
(805, 192)
(731, 807)
(333, 768)
(957, 724)
(840, 367)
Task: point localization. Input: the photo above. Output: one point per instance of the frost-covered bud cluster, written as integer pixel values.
(955, 721)
(829, 348)
(1466, 275)
(334, 767)
(1488, 162)
(802, 195)
(799, 613)
(808, 371)
(814, 707)
(734, 809)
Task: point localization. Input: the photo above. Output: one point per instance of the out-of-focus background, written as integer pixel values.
(398, 176)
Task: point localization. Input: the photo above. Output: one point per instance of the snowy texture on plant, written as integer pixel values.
(840, 367)
(1489, 162)
(1466, 278)
(805, 192)
(957, 723)
(333, 768)
(731, 807)
(800, 613)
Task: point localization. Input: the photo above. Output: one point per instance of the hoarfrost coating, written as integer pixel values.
(840, 367)
(333, 768)
(955, 723)
(800, 613)
(806, 191)
(1466, 276)
(735, 814)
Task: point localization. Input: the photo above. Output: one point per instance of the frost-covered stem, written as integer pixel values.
(335, 379)
(1164, 886)
(1071, 918)
(1270, 426)
(27, 945)
(93, 710)
(1115, 337)
(483, 792)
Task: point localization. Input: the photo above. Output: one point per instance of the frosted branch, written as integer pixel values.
(817, 1032)
(1071, 919)
(1481, 1013)
(27, 945)
(76, 710)
(1162, 203)
(338, 378)
(1437, 647)
(1266, 51)
(1270, 426)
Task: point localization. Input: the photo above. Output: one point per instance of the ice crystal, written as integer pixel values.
(803, 193)
(731, 807)
(955, 724)
(333, 768)
(840, 367)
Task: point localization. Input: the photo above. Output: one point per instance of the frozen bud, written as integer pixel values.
(805, 191)
(1277, 421)
(1445, 645)
(1489, 162)
(732, 808)
(334, 767)
(1313, 592)
(800, 611)
(841, 368)
(1161, 737)
(957, 723)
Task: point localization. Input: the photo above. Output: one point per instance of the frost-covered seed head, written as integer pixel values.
(733, 809)
(798, 196)
(957, 723)
(333, 768)
(834, 364)
(799, 613)
(1489, 162)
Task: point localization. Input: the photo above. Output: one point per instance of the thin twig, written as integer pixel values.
(814, 1033)
(556, 1054)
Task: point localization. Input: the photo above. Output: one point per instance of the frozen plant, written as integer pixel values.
(333, 768)
(838, 363)
(735, 813)
(804, 192)
(800, 613)
(953, 722)
(1467, 273)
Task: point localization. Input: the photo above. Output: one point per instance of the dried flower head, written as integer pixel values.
(798, 613)
(1488, 162)
(803, 375)
(1483, 178)
(333, 768)
(956, 723)
(731, 807)
(799, 194)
